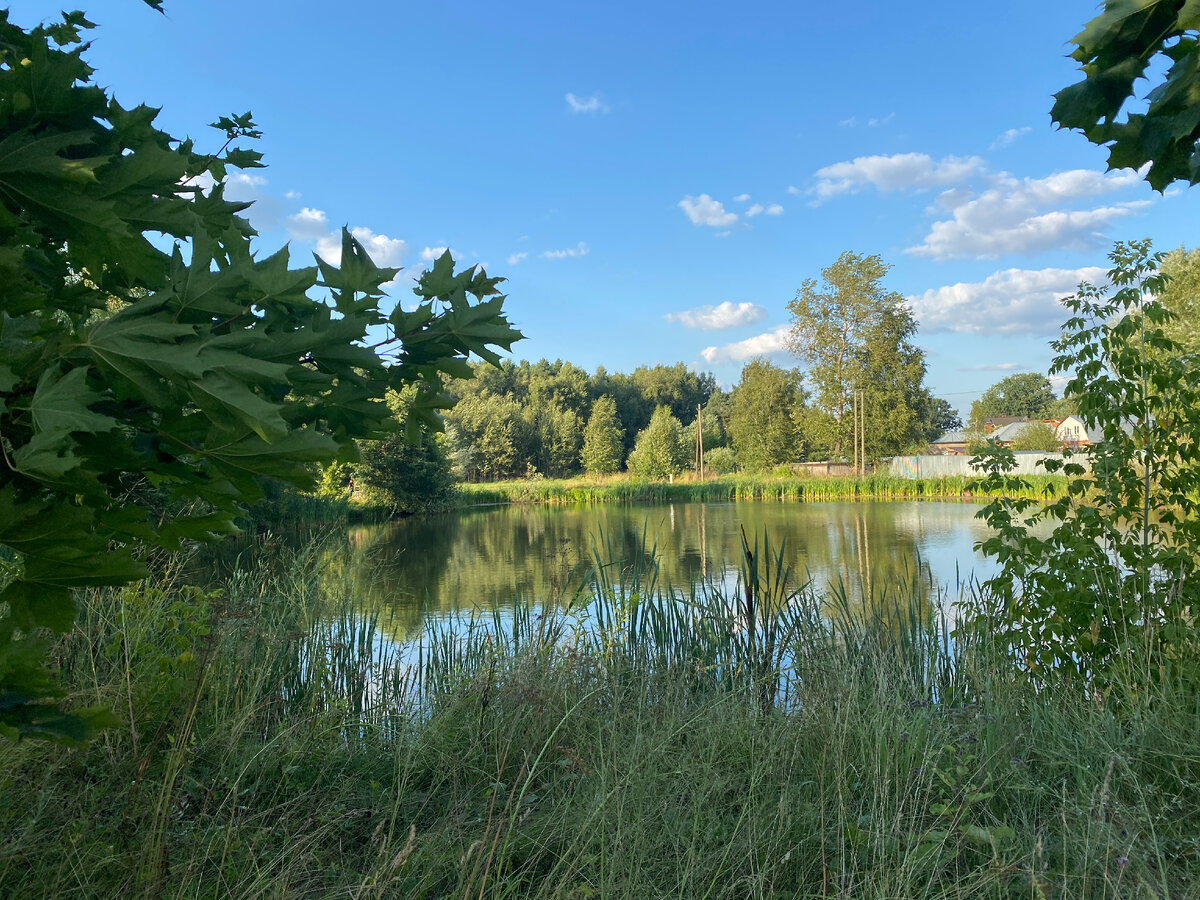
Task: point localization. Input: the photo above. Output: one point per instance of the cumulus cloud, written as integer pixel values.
(1011, 301)
(900, 171)
(292, 195)
(516, 258)
(1026, 215)
(308, 224)
(592, 105)
(754, 210)
(1010, 136)
(771, 343)
(774, 209)
(429, 254)
(704, 210)
(741, 198)
(715, 318)
(383, 250)
(580, 249)
(312, 226)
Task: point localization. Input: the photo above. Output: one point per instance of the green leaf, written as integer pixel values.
(39, 605)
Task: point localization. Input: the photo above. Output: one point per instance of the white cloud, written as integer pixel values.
(990, 367)
(771, 343)
(774, 209)
(1017, 215)
(515, 258)
(593, 104)
(715, 318)
(704, 210)
(292, 195)
(901, 171)
(312, 226)
(792, 189)
(580, 249)
(754, 210)
(741, 198)
(1011, 301)
(1009, 136)
(429, 254)
(383, 250)
(244, 186)
(871, 122)
(308, 224)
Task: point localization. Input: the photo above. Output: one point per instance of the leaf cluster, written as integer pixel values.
(153, 370)
(1116, 49)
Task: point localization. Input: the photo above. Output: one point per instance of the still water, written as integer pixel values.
(420, 569)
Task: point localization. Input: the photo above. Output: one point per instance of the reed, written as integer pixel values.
(740, 487)
(625, 739)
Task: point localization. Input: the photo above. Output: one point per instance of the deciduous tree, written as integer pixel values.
(1025, 394)
(766, 408)
(856, 336)
(603, 439)
(659, 450)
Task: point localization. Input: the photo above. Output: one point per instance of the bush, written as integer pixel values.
(1114, 583)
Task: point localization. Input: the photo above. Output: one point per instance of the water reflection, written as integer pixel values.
(417, 569)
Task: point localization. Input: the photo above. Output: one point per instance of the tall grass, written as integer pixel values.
(737, 487)
(625, 739)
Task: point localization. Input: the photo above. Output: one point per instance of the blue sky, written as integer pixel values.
(656, 180)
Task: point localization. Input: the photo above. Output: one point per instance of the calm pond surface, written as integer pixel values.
(415, 570)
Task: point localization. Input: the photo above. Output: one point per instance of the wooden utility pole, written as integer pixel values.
(862, 430)
(700, 441)
(854, 412)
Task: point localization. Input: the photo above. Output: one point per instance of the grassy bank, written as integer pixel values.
(621, 488)
(620, 744)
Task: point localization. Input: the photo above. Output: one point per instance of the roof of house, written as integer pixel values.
(953, 437)
(1012, 431)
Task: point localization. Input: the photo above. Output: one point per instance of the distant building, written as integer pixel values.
(994, 423)
(1011, 432)
(952, 443)
(1074, 433)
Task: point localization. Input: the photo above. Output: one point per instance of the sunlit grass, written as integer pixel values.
(788, 487)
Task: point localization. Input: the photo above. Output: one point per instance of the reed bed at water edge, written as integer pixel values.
(739, 487)
(625, 739)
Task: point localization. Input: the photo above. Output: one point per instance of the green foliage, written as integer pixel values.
(766, 407)
(856, 335)
(1118, 47)
(551, 400)
(940, 418)
(1025, 394)
(490, 438)
(720, 460)
(145, 393)
(603, 439)
(558, 436)
(659, 450)
(1182, 297)
(1114, 582)
(404, 476)
(1037, 436)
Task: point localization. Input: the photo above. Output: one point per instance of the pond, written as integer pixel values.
(430, 568)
